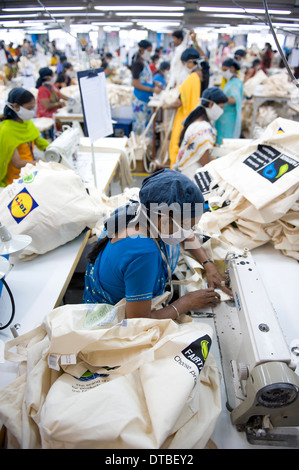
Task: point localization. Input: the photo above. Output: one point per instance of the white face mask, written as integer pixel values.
(176, 237)
(227, 74)
(51, 81)
(23, 113)
(214, 112)
(146, 55)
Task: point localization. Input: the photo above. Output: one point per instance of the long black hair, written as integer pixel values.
(198, 112)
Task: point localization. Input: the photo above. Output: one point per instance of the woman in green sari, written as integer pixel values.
(18, 135)
(228, 126)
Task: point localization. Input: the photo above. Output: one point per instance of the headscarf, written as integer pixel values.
(144, 43)
(163, 190)
(190, 53)
(213, 94)
(15, 96)
(231, 63)
(43, 73)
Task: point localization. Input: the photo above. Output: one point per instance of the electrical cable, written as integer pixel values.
(2, 327)
(278, 45)
(269, 22)
(61, 27)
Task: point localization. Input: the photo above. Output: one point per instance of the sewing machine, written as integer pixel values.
(74, 105)
(261, 384)
(63, 149)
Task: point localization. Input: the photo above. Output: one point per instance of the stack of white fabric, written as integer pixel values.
(253, 194)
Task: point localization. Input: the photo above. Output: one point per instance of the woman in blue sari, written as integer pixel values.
(143, 86)
(228, 126)
(139, 249)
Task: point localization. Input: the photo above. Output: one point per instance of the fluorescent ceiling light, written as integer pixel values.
(228, 15)
(106, 23)
(241, 10)
(139, 8)
(42, 9)
(140, 13)
(7, 17)
(85, 14)
(157, 24)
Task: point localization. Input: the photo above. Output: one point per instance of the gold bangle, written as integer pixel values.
(177, 312)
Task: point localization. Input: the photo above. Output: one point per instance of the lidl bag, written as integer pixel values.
(50, 203)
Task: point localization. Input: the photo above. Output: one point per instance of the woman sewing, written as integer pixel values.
(49, 97)
(18, 135)
(228, 126)
(198, 136)
(187, 101)
(139, 249)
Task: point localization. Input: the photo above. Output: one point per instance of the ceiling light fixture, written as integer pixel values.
(139, 8)
(241, 10)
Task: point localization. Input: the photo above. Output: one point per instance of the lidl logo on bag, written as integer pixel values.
(21, 205)
(197, 352)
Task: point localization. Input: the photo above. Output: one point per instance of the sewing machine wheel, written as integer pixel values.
(277, 395)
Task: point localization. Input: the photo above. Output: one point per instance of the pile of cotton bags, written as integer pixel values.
(252, 194)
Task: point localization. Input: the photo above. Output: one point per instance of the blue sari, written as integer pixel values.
(228, 126)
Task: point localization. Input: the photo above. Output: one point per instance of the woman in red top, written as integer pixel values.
(49, 97)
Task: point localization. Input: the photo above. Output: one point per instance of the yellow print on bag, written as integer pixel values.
(21, 205)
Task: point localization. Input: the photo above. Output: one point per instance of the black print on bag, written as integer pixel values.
(197, 352)
(203, 180)
(270, 163)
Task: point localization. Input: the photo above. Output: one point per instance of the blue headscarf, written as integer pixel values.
(190, 53)
(162, 190)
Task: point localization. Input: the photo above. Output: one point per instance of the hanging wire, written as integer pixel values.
(61, 26)
(269, 22)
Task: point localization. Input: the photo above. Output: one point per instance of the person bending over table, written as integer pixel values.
(198, 136)
(190, 92)
(138, 250)
(18, 135)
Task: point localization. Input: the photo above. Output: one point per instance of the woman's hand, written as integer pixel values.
(215, 279)
(202, 298)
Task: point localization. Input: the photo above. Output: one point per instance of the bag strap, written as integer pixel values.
(21, 342)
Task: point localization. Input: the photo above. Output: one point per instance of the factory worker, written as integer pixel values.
(65, 78)
(198, 136)
(18, 135)
(61, 63)
(49, 98)
(143, 86)
(228, 126)
(255, 67)
(240, 56)
(161, 75)
(177, 72)
(190, 92)
(139, 249)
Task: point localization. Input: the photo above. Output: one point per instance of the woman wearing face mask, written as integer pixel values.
(198, 136)
(18, 135)
(65, 78)
(187, 101)
(49, 97)
(228, 126)
(139, 248)
(143, 86)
